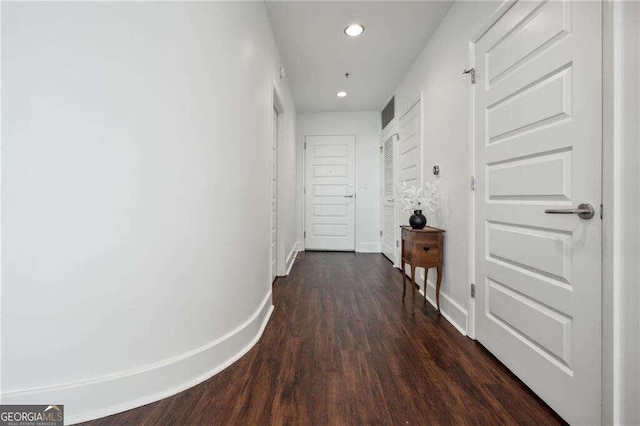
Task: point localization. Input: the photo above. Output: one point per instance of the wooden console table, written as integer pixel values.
(422, 248)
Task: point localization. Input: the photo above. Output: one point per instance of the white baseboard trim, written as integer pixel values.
(368, 248)
(291, 259)
(449, 308)
(299, 246)
(103, 396)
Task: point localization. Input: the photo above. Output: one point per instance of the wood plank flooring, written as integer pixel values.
(342, 349)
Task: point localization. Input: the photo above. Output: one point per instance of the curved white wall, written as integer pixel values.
(135, 197)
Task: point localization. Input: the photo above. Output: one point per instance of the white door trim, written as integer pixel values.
(619, 75)
(471, 301)
(610, 240)
(280, 255)
(304, 184)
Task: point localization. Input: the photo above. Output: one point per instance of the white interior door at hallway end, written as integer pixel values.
(330, 192)
(538, 144)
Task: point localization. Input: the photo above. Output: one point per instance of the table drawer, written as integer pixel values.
(423, 253)
(422, 237)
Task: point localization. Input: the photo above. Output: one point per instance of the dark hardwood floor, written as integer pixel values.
(342, 349)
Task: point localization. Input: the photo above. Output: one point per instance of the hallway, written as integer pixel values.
(205, 207)
(342, 349)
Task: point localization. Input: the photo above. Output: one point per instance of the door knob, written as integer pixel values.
(584, 211)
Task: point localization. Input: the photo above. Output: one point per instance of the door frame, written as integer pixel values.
(355, 185)
(277, 104)
(617, 44)
(612, 36)
(390, 130)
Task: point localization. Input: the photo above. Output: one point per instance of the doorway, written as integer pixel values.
(329, 192)
(390, 226)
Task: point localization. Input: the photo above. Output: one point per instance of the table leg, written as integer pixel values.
(413, 288)
(426, 272)
(439, 270)
(404, 285)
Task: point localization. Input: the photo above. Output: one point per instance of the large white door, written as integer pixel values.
(410, 151)
(409, 157)
(538, 144)
(274, 197)
(330, 192)
(389, 221)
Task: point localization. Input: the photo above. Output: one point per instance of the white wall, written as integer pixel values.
(437, 72)
(135, 197)
(366, 126)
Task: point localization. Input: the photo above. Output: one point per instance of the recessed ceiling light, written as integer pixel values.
(354, 30)
(341, 94)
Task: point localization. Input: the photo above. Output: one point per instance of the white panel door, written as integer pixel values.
(274, 197)
(409, 157)
(410, 152)
(538, 147)
(330, 192)
(389, 221)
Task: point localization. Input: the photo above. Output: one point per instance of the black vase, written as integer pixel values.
(417, 220)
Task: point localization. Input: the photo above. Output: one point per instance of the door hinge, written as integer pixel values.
(601, 210)
(381, 233)
(473, 291)
(472, 72)
(305, 189)
(305, 145)
(381, 149)
(305, 234)
(473, 183)
(397, 243)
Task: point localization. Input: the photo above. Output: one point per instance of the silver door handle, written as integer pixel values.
(584, 211)
(348, 196)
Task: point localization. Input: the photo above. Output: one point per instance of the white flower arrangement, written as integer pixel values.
(425, 198)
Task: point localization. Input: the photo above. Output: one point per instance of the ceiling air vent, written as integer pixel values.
(388, 112)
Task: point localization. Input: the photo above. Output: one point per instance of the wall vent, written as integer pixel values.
(388, 112)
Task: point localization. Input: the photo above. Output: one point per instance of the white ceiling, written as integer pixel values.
(316, 52)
